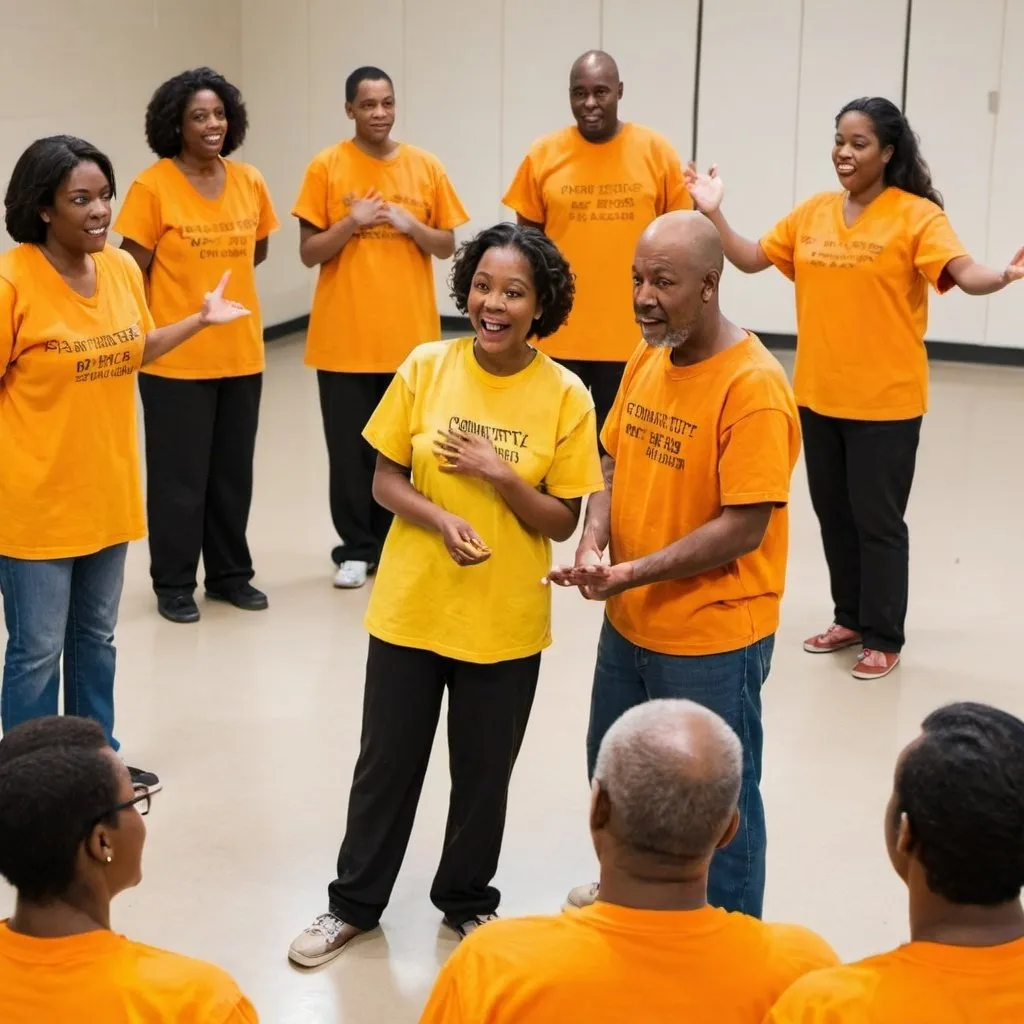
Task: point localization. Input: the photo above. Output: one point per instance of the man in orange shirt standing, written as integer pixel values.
(593, 188)
(700, 447)
(372, 212)
(955, 834)
(665, 795)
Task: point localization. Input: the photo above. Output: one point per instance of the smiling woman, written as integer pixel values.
(74, 330)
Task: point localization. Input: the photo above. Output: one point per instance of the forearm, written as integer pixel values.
(597, 524)
(321, 246)
(742, 253)
(161, 340)
(395, 492)
(975, 278)
(433, 241)
(549, 516)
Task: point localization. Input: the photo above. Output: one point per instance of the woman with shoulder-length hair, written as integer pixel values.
(74, 331)
(187, 219)
(862, 259)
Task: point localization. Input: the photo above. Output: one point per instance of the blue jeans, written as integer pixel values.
(730, 685)
(61, 606)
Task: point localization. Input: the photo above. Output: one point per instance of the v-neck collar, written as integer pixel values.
(881, 201)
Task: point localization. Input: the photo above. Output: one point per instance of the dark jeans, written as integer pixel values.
(730, 685)
(603, 380)
(347, 401)
(200, 443)
(55, 607)
(859, 473)
(488, 708)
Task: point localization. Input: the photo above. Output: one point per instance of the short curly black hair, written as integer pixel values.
(553, 279)
(961, 786)
(37, 175)
(167, 109)
(49, 802)
(51, 732)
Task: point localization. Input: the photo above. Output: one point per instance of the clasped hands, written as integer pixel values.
(372, 210)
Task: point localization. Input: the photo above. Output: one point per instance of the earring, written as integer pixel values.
(110, 857)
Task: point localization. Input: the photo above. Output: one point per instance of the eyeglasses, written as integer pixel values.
(141, 802)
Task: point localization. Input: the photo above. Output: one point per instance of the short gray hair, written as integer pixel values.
(672, 772)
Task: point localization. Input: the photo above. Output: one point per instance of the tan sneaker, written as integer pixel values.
(835, 638)
(875, 664)
(582, 896)
(322, 941)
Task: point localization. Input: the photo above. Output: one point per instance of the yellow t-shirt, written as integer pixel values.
(594, 200)
(608, 964)
(194, 240)
(688, 440)
(920, 983)
(862, 301)
(375, 300)
(103, 978)
(69, 452)
(540, 421)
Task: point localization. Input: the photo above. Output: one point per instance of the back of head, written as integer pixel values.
(672, 771)
(49, 801)
(961, 787)
(51, 732)
(367, 73)
(907, 168)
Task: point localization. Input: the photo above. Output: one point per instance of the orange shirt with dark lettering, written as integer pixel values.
(594, 201)
(608, 964)
(920, 983)
(194, 240)
(103, 978)
(375, 300)
(688, 441)
(69, 452)
(862, 300)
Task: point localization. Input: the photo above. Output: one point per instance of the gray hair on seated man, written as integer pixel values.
(666, 792)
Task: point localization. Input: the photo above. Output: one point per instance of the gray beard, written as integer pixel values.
(672, 339)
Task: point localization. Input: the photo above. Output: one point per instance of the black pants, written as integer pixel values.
(488, 708)
(200, 441)
(860, 473)
(603, 380)
(347, 401)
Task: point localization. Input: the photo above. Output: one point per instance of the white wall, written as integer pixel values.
(478, 80)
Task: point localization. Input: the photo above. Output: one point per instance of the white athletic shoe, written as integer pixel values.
(351, 575)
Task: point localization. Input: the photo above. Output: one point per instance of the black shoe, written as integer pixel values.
(148, 779)
(246, 597)
(178, 607)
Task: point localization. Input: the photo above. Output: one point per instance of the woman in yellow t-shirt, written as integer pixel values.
(187, 219)
(485, 448)
(71, 838)
(74, 330)
(862, 259)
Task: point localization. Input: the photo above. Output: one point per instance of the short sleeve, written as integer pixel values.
(389, 430)
(935, 245)
(140, 219)
(779, 245)
(137, 284)
(7, 332)
(524, 194)
(675, 195)
(311, 204)
(576, 467)
(756, 462)
(613, 421)
(448, 211)
(267, 221)
(821, 997)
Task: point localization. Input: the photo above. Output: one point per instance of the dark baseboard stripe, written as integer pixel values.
(939, 351)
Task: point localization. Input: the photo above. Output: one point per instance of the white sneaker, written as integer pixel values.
(582, 896)
(322, 941)
(351, 575)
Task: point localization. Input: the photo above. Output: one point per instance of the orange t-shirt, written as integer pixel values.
(375, 300)
(103, 978)
(688, 440)
(862, 301)
(608, 964)
(194, 240)
(594, 200)
(69, 452)
(920, 983)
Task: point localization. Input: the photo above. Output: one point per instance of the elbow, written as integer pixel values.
(307, 260)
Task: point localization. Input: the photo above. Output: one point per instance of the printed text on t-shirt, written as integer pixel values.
(506, 442)
(662, 433)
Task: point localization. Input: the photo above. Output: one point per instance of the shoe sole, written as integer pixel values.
(177, 619)
(301, 960)
(858, 674)
(812, 649)
(210, 596)
(350, 586)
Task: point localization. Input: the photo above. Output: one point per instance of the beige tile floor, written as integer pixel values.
(253, 722)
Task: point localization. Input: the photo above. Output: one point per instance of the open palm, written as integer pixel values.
(707, 190)
(218, 310)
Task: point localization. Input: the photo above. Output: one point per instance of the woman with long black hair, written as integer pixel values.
(862, 259)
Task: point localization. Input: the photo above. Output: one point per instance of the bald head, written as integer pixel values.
(594, 93)
(671, 771)
(687, 236)
(595, 62)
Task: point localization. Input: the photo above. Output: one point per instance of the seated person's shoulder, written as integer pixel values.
(847, 994)
(531, 947)
(793, 947)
